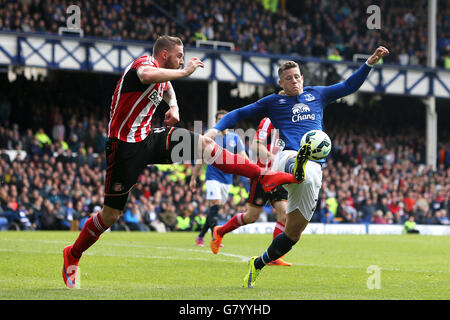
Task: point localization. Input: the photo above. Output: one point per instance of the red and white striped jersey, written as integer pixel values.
(268, 136)
(134, 103)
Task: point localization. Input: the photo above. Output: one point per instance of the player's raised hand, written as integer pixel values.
(192, 65)
(379, 53)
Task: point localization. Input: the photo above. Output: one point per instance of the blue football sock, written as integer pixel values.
(289, 166)
(280, 245)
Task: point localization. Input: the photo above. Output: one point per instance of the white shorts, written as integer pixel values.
(302, 196)
(216, 190)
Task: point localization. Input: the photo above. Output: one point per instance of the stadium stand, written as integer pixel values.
(372, 169)
(313, 28)
(52, 161)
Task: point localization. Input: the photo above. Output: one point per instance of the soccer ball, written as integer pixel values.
(320, 144)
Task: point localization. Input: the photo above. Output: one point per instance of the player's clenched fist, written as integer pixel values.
(172, 116)
(379, 53)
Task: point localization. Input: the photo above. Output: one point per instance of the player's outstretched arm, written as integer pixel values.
(229, 120)
(149, 75)
(355, 81)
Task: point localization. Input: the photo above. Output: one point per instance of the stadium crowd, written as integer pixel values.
(375, 174)
(314, 28)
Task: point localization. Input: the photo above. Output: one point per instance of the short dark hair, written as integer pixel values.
(165, 43)
(287, 65)
(220, 112)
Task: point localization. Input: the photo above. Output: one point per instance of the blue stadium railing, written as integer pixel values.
(112, 56)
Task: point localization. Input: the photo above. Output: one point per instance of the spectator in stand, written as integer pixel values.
(133, 218)
(368, 211)
(61, 216)
(383, 205)
(389, 217)
(184, 221)
(150, 217)
(368, 164)
(410, 202)
(442, 217)
(169, 216)
(395, 208)
(326, 215)
(379, 218)
(48, 219)
(288, 29)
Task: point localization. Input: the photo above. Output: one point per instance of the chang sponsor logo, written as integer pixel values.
(300, 112)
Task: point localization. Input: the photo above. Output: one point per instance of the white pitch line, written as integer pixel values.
(241, 258)
(120, 255)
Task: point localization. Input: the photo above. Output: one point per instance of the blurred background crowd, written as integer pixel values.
(375, 173)
(312, 28)
(53, 129)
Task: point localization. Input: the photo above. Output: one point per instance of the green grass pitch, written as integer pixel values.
(160, 266)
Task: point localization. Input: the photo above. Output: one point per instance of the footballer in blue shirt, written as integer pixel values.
(218, 183)
(295, 111)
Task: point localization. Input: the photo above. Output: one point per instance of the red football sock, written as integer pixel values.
(232, 224)
(234, 163)
(279, 228)
(90, 233)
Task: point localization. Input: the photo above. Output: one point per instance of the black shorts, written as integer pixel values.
(259, 198)
(126, 160)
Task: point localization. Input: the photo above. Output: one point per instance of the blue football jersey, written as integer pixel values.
(293, 116)
(232, 143)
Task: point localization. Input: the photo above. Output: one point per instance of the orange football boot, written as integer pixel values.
(280, 262)
(216, 241)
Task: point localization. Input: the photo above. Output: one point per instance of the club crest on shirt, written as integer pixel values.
(309, 97)
(117, 187)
